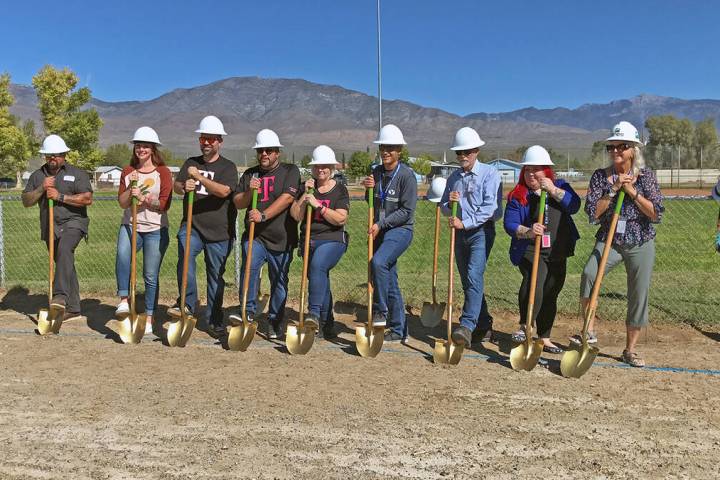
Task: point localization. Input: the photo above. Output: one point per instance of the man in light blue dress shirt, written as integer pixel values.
(478, 190)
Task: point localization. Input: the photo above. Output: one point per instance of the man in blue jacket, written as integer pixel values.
(475, 187)
(395, 197)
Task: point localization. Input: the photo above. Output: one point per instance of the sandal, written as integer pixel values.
(554, 349)
(632, 359)
(518, 337)
(591, 338)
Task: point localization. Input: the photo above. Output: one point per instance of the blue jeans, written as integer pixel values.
(216, 254)
(278, 267)
(389, 245)
(324, 255)
(472, 249)
(153, 245)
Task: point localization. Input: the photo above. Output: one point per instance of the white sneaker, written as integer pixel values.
(148, 328)
(122, 308)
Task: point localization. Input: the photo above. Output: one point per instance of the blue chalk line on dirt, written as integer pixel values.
(476, 356)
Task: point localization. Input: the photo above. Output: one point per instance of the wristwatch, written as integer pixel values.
(612, 193)
(262, 216)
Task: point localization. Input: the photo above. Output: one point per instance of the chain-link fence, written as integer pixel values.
(684, 286)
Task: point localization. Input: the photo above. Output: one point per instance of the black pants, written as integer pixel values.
(550, 280)
(65, 282)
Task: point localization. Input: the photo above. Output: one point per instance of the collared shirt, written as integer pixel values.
(480, 195)
(69, 180)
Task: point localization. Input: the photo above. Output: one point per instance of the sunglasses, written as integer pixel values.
(620, 148)
(54, 155)
(209, 140)
(267, 150)
(464, 153)
(389, 148)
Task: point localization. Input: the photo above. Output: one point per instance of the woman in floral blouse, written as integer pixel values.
(634, 241)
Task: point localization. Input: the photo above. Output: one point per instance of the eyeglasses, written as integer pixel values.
(54, 155)
(210, 140)
(267, 150)
(390, 148)
(464, 153)
(620, 148)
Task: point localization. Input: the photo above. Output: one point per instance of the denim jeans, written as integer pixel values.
(153, 245)
(216, 254)
(389, 245)
(472, 249)
(324, 255)
(278, 267)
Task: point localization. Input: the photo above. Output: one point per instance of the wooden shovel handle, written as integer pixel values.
(133, 247)
(51, 247)
(451, 274)
(535, 265)
(186, 257)
(436, 247)
(371, 221)
(306, 254)
(248, 258)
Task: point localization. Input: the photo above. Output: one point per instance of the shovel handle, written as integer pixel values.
(186, 258)
(306, 254)
(436, 247)
(51, 247)
(592, 306)
(451, 273)
(533, 275)
(248, 258)
(371, 221)
(133, 247)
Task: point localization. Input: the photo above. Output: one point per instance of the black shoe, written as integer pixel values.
(312, 321)
(462, 336)
(379, 319)
(68, 316)
(392, 337)
(275, 331)
(326, 332)
(216, 331)
(482, 336)
(58, 301)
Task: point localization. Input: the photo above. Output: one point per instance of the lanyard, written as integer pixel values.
(383, 193)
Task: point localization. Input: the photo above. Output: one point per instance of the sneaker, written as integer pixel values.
(462, 336)
(275, 331)
(633, 359)
(57, 301)
(518, 337)
(392, 337)
(577, 339)
(312, 321)
(123, 308)
(379, 319)
(216, 331)
(148, 328)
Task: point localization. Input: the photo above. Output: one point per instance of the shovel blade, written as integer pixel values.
(50, 320)
(447, 352)
(368, 341)
(298, 340)
(431, 314)
(526, 355)
(132, 327)
(180, 330)
(187, 331)
(241, 334)
(262, 303)
(576, 362)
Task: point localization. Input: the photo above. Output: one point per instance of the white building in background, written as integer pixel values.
(108, 175)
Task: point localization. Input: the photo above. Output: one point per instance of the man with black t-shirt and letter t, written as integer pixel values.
(213, 178)
(276, 232)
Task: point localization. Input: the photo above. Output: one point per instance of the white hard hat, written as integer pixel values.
(53, 144)
(436, 190)
(466, 138)
(323, 155)
(537, 155)
(625, 132)
(211, 125)
(390, 135)
(267, 138)
(146, 134)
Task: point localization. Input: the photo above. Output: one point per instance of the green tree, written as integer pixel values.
(15, 146)
(305, 161)
(60, 108)
(170, 158)
(359, 164)
(404, 154)
(117, 154)
(421, 165)
(669, 130)
(706, 133)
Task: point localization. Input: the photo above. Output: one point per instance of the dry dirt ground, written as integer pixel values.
(83, 406)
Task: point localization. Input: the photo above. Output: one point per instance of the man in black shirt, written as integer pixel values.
(276, 232)
(71, 192)
(213, 178)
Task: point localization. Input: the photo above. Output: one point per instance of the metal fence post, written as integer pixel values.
(2, 246)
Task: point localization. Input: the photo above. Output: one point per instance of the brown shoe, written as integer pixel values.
(632, 359)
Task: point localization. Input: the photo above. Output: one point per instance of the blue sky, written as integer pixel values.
(460, 56)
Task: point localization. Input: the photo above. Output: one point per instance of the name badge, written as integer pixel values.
(546, 240)
(621, 225)
(69, 178)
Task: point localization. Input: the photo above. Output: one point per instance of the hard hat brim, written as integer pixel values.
(139, 140)
(47, 152)
(378, 142)
(275, 145)
(324, 163)
(222, 133)
(623, 139)
(468, 147)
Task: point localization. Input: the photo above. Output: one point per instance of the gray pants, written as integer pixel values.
(65, 283)
(639, 261)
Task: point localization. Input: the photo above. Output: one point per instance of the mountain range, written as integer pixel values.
(306, 114)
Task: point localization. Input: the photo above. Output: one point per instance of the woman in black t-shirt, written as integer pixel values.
(328, 240)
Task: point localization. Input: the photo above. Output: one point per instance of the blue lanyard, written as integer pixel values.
(383, 194)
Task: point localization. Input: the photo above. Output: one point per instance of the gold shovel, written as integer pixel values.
(132, 324)
(50, 319)
(526, 355)
(299, 337)
(432, 313)
(447, 351)
(181, 328)
(242, 332)
(369, 338)
(577, 361)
